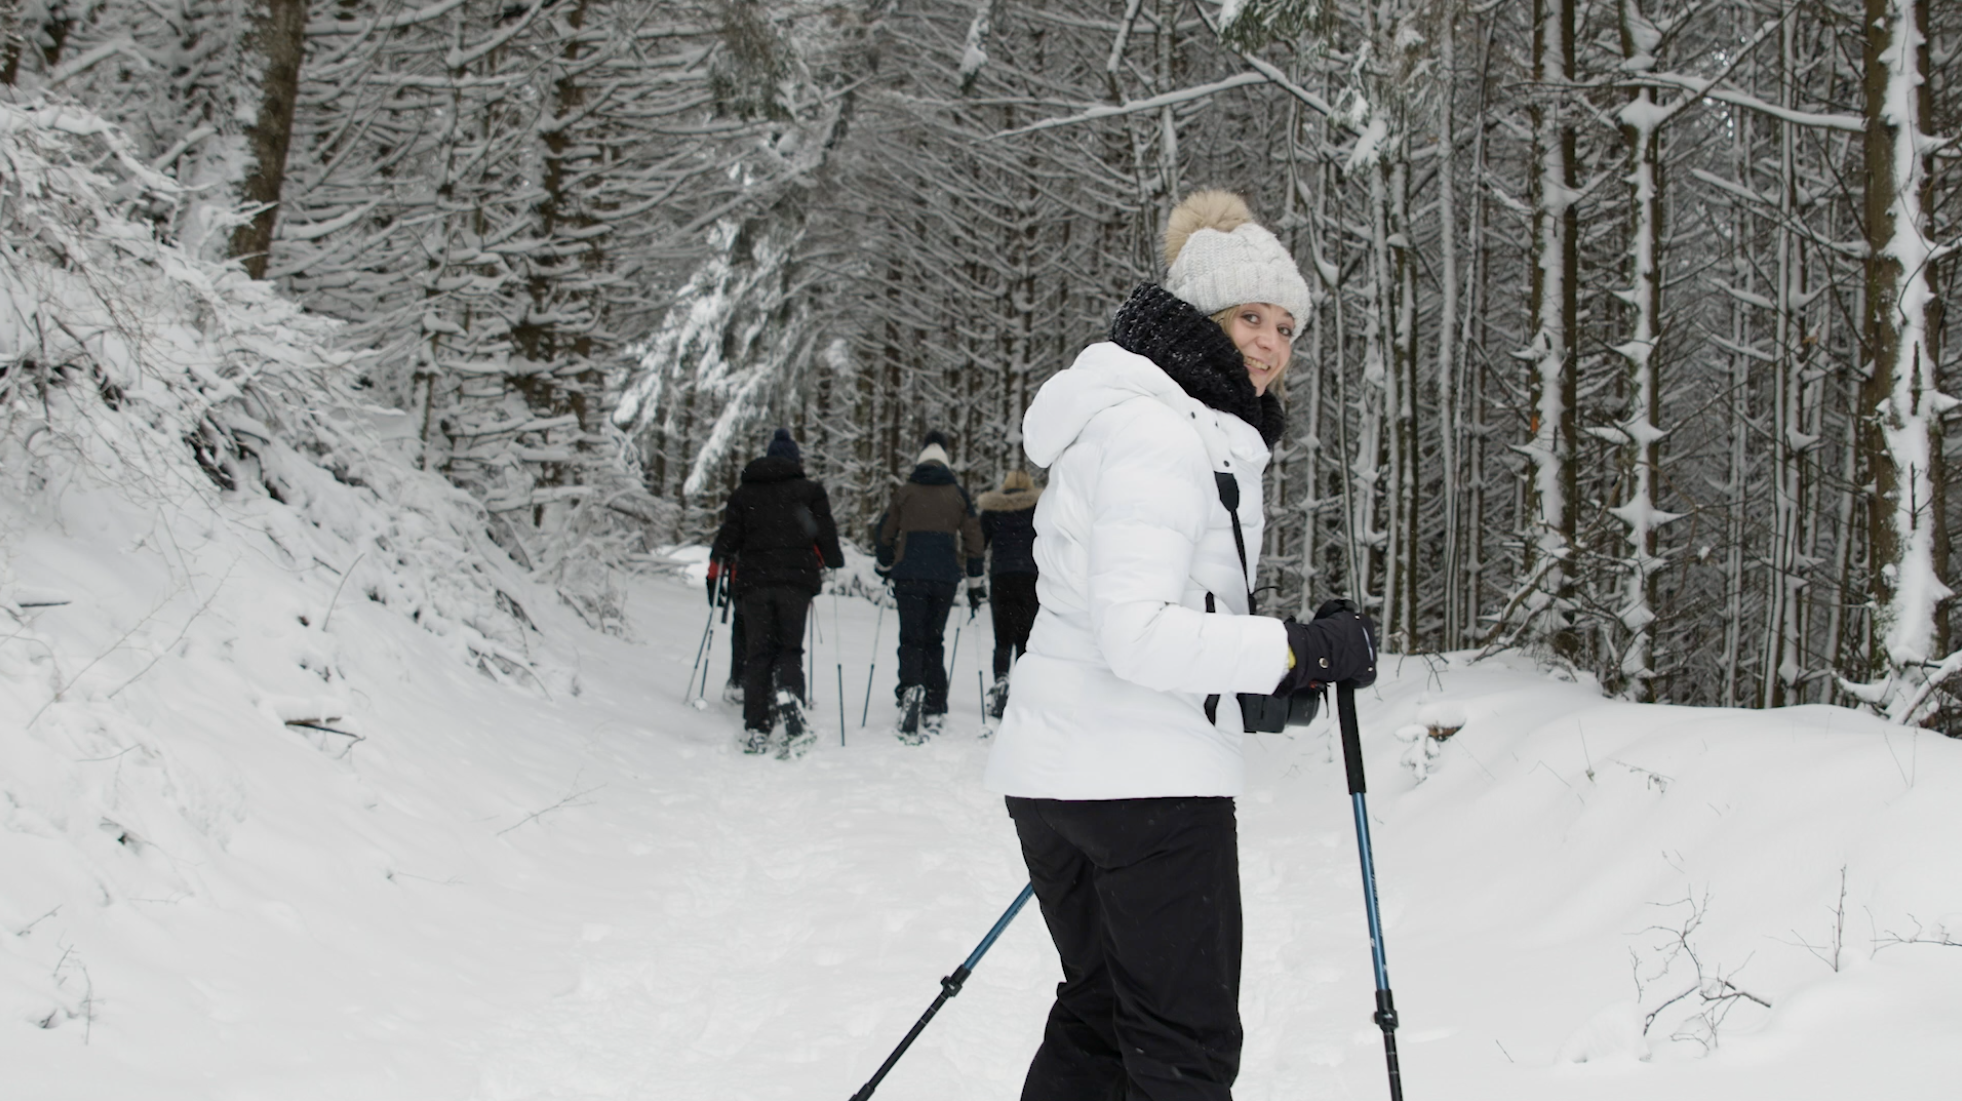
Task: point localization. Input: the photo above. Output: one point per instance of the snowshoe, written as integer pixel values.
(933, 726)
(911, 703)
(797, 733)
(755, 741)
(732, 693)
(998, 697)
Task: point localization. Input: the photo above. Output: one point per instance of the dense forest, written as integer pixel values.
(1630, 344)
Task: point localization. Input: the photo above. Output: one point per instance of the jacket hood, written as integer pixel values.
(1103, 375)
(932, 474)
(772, 468)
(1008, 500)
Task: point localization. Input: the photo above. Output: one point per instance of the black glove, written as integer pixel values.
(975, 596)
(714, 583)
(1340, 645)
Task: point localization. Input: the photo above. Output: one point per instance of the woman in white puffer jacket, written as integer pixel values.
(1119, 753)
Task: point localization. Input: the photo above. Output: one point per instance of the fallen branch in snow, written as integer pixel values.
(87, 1010)
(56, 698)
(1941, 936)
(29, 927)
(215, 590)
(565, 802)
(1716, 994)
(345, 574)
(321, 725)
(1829, 953)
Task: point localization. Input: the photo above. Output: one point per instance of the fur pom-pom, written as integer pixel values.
(1220, 210)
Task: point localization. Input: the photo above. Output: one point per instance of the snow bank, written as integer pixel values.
(199, 532)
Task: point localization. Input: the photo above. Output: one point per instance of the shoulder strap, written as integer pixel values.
(1229, 496)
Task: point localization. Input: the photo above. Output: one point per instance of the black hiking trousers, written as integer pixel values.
(1012, 601)
(923, 608)
(773, 621)
(1142, 897)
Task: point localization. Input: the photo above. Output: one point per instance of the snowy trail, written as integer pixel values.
(500, 896)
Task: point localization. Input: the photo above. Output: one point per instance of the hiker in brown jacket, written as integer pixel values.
(927, 542)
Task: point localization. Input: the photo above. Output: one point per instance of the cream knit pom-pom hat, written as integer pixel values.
(1218, 256)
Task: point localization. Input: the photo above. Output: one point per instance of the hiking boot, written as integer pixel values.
(797, 733)
(998, 697)
(933, 725)
(755, 740)
(733, 693)
(911, 703)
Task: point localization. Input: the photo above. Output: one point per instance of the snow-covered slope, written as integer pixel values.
(501, 894)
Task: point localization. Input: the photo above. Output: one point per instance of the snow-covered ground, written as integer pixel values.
(577, 888)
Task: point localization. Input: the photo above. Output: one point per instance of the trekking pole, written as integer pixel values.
(838, 651)
(700, 649)
(981, 693)
(955, 653)
(707, 666)
(873, 666)
(1386, 1009)
(949, 986)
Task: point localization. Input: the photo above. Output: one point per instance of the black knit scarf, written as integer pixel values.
(1197, 354)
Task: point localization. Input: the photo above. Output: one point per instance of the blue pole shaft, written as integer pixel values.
(1369, 892)
(949, 986)
(1386, 1006)
(1007, 916)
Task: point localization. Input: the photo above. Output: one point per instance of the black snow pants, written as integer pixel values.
(773, 620)
(1142, 897)
(923, 608)
(1012, 601)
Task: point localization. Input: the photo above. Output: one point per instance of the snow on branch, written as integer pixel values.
(1153, 103)
(1715, 89)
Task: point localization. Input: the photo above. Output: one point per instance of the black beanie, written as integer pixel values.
(935, 438)
(783, 447)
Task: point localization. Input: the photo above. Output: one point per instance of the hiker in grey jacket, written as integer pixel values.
(928, 542)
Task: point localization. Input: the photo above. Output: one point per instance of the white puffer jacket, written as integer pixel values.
(1109, 700)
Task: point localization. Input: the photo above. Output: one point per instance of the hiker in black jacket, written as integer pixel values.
(778, 525)
(1008, 531)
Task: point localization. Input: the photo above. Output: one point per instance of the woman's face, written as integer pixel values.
(1264, 333)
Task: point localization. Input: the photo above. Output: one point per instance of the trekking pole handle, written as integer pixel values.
(1352, 755)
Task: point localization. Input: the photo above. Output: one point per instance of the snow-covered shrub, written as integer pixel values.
(128, 364)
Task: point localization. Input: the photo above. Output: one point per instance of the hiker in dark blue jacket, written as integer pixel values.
(927, 542)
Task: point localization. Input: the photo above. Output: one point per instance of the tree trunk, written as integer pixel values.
(1447, 333)
(279, 37)
(1899, 402)
(1641, 121)
(1548, 527)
